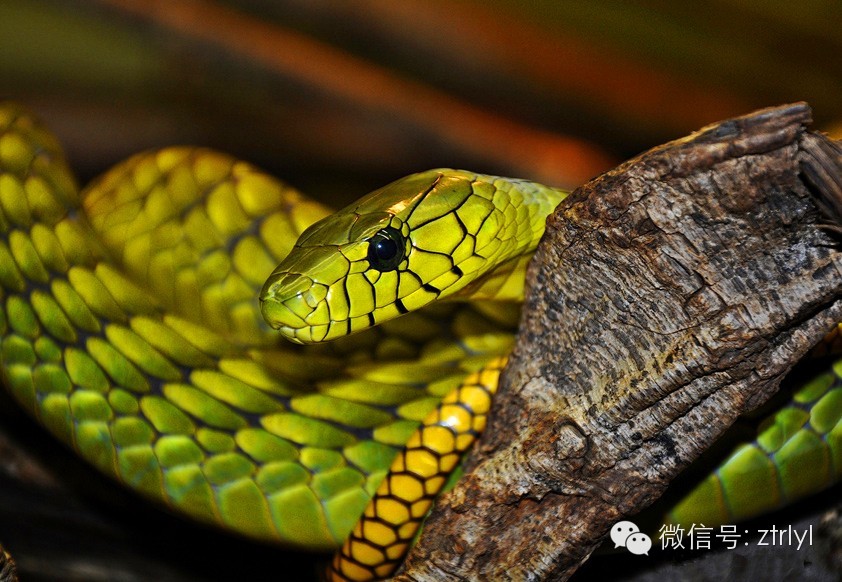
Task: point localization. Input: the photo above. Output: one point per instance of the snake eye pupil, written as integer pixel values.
(386, 249)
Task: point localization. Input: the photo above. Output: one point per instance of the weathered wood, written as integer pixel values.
(668, 296)
(8, 572)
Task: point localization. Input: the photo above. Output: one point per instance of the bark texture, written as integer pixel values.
(667, 297)
(8, 573)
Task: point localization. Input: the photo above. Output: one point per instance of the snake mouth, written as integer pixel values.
(295, 305)
(283, 305)
(284, 319)
(280, 317)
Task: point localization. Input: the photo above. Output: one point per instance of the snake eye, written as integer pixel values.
(386, 249)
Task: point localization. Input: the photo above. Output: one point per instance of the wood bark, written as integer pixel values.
(667, 297)
(8, 572)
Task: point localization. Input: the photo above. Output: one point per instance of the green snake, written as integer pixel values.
(131, 328)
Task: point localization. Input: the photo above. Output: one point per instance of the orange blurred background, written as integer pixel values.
(339, 97)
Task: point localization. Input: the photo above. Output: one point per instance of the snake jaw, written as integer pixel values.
(285, 304)
(281, 317)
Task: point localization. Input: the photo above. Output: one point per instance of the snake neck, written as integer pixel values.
(505, 283)
(523, 207)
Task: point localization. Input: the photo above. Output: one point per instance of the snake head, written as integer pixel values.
(425, 237)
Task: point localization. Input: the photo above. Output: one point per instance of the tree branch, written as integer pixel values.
(668, 296)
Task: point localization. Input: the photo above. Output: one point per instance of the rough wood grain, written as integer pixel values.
(8, 572)
(668, 296)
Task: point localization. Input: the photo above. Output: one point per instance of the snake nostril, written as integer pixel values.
(283, 301)
(279, 315)
(286, 286)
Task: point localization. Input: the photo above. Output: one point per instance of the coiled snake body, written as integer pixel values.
(130, 328)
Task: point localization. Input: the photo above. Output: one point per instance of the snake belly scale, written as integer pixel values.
(131, 328)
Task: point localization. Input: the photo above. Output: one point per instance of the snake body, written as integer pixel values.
(130, 328)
